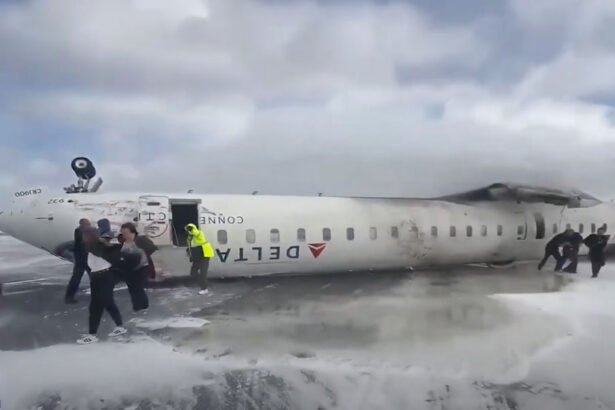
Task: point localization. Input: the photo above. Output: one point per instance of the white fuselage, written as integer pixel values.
(259, 235)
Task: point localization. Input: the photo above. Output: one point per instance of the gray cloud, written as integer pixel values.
(371, 98)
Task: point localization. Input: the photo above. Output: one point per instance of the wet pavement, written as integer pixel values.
(327, 311)
(275, 339)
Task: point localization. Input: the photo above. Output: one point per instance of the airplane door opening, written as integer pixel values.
(540, 226)
(182, 215)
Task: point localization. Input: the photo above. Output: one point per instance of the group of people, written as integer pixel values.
(570, 243)
(126, 258)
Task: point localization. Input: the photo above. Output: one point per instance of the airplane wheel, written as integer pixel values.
(83, 168)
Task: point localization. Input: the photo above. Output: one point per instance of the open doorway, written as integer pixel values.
(183, 214)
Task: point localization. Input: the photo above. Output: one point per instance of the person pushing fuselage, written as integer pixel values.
(552, 249)
(571, 252)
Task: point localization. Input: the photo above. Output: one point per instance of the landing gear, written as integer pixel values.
(85, 171)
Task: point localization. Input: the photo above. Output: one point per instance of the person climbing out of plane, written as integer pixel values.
(133, 269)
(104, 258)
(80, 263)
(200, 252)
(575, 240)
(552, 249)
(596, 243)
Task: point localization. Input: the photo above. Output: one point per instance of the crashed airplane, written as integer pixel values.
(265, 234)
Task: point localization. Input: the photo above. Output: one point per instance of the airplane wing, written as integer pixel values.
(525, 193)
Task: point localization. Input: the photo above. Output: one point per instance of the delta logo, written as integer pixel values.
(317, 249)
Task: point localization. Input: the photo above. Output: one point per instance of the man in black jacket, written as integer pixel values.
(552, 249)
(596, 244)
(572, 252)
(80, 262)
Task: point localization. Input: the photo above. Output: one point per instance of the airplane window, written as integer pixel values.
(373, 233)
(434, 231)
(581, 228)
(222, 237)
(554, 228)
(520, 230)
(326, 234)
(394, 232)
(500, 230)
(468, 230)
(250, 236)
(593, 228)
(301, 235)
(275, 235)
(350, 234)
(483, 230)
(452, 231)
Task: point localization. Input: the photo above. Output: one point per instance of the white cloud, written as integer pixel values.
(305, 97)
(572, 74)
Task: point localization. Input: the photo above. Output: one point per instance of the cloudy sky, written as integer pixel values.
(345, 97)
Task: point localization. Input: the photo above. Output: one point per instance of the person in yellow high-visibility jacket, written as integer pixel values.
(200, 252)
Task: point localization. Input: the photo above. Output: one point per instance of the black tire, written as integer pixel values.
(83, 167)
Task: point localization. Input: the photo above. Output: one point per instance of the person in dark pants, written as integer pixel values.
(149, 247)
(596, 243)
(80, 264)
(572, 253)
(103, 258)
(552, 249)
(135, 266)
(200, 252)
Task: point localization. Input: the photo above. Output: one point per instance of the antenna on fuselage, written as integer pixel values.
(85, 171)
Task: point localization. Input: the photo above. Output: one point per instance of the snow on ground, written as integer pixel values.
(583, 360)
(439, 344)
(173, 323)
(564, 361)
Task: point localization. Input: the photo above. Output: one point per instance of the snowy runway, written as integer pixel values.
(472, 338)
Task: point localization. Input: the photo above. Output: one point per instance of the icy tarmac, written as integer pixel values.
(470, 338)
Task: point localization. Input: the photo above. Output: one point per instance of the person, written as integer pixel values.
(552, 249)
(80, 263)
(103, 258)
(104, 228)
(149, 247)
(200, 252)
(575, 240)
(135, 265)
(596, 243)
